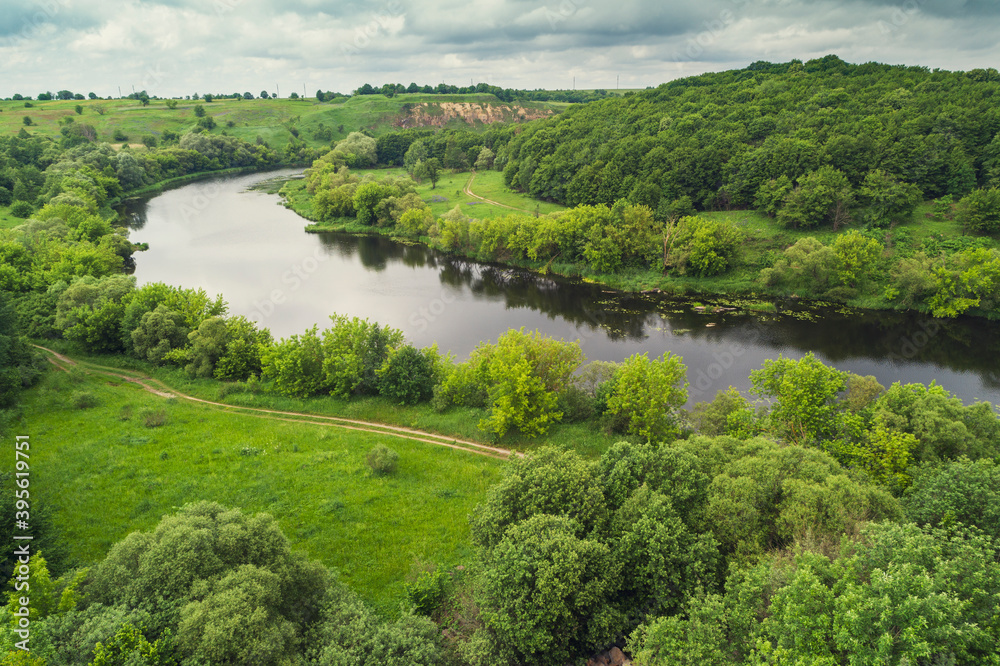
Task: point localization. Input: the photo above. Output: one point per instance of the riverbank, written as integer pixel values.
(765, 243)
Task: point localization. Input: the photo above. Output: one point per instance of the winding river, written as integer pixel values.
(220, 236)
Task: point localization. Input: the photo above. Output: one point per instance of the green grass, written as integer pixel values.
(104, 473)
(8, 221)
(270, 119)
(450, 187)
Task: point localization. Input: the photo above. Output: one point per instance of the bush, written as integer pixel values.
(154, 418)
(21, 209)
(83, 400)
(382, 460)
(120, 135)
(427, 592)
(408, 376)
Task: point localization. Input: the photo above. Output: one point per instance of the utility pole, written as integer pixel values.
(618, 83)
(119, 92)
(278, 88)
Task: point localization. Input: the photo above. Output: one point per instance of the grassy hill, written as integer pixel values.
(274, 120)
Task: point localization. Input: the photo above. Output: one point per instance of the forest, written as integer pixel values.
(819, 517)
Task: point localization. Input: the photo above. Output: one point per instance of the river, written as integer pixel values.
(220, 236)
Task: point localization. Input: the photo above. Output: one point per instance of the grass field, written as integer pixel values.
(105, 472)
(448, 193)
(271, 119)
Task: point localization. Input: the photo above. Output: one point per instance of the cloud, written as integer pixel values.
(174, 47)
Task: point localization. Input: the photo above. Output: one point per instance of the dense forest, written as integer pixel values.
(821, 518)
(870, 184)
(720, 138)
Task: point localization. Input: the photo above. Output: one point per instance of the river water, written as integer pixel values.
(220, 236)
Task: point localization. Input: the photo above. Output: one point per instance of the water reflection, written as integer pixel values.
(243, 245)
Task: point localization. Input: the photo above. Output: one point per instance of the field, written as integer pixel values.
(108, 469)
(274, 120)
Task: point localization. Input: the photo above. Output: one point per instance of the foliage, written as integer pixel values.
(701, 247)
(804, 397)
(646, 396)
(522, 376)
(958, 491)
(227, 580)
(886, 200)
(408, 375)
(382, 460)
(979, 211)
(545, 592)
(158, 333)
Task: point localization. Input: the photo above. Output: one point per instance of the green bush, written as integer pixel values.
(382, 460)
(646, 396)
(408, 376)
(21, 209)
(154, 418)
(120, 135)
(427, 592)
(83, 400)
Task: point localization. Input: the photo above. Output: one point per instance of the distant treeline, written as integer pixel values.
(503, 94)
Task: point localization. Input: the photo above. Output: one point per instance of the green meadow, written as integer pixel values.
(109, 458)
(275, 121)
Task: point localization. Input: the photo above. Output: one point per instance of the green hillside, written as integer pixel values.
(274, 120)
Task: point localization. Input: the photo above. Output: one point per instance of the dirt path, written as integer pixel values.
(157, 387)
(468, 190)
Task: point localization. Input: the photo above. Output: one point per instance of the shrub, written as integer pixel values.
(21, 209)
(382, 460)
(83, 400)
(120, 135)
(408, 376)
(154, 418)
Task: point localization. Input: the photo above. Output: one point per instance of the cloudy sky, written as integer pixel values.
(179, 47)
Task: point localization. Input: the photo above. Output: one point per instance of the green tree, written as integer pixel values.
(646, 396)
(548, 481)
(545, 593)
(295, 364)
(979, 211)
(887, 201)
(158, 333)
(199, 111)
(804, 397)
(824, 195)
(484, 161)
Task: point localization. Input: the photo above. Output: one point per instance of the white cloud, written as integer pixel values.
(175, 47)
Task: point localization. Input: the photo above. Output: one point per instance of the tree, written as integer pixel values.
(228, 583)
(979, 211)
(416, 153)
(432, 169)
(858, 257)
(357, 150)
(485, 160)
(824, 195)
(646, 396)
(887, 201)
(79, 109)
(264, 95)
(804, 397)
(409, 375)
(27, 121)
(545, 593)
(199, 111)
(523, 374)
(958, 491)
(158, 333)
(92, 95)
(548, 481)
